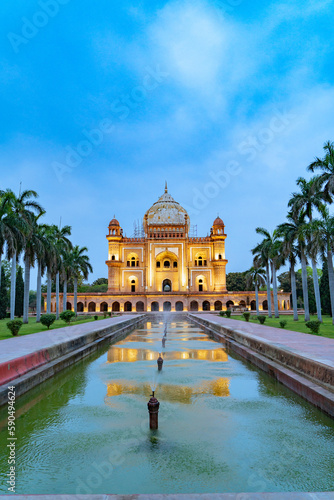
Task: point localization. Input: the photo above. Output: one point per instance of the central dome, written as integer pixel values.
(166, 211)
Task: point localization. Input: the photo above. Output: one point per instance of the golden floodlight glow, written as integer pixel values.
(172, 393)
(126, 355)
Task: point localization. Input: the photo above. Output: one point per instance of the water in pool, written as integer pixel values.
(224, 426)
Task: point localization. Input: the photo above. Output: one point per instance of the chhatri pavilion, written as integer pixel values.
(166, 269)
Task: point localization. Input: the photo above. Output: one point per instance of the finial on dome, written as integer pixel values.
(166, 190)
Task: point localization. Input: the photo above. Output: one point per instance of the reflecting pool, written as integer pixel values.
(223, 424)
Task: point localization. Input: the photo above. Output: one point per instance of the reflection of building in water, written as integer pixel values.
(172, 393)
(127, 355)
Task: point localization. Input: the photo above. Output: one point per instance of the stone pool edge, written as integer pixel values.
(29, 369)
(186, 496)
(286, 367)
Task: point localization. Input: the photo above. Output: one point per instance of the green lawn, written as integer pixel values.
(33, 327)
(326, 329)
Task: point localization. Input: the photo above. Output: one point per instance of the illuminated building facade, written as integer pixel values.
(166, 269)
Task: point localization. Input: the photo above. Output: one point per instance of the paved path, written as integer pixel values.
(317, 348)
(20, 355)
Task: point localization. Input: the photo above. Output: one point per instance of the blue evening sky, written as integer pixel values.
(101, 101)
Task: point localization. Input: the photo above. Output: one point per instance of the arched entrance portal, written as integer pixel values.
(155, 306)
(127, 307)
(218, 305)
(167, 306)
(194, 305)
(166, 286)
(116, 307)
(91, 307)
(140, 306)
(179, 306)
(253, 305)
(206, 305)
(104, 307)
(80, 307)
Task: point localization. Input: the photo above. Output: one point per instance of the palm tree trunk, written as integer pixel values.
(48, 293)
(12, 287)
(268, 290)
(331, 280)
(275, 291)
(75, 295)
(316, 289)
(39, 293)
(305, 291)
(26, 290)
(0, 267)
(294, 292)
(257, 298)
(65, 295)
(57, 295)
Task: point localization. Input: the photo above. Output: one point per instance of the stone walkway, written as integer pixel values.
(316, 348)
(20, 355)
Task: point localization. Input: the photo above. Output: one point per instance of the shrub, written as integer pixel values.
(246, 315)
(261, 319)
(221, 313)
(314, 326)
(96, 317)
(283, 323)
(228, 313)
(14, 326)
(109, 314)
(67, 316)
(48, 319)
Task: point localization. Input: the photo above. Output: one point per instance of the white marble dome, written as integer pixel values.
(166, 211)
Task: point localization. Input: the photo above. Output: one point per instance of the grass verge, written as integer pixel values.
(33, 327)
(326, 328)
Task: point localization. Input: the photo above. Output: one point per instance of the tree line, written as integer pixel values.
(302, 238)
(22, 234)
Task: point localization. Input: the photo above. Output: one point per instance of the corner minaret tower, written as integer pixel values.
(114, 238)
(219, 262)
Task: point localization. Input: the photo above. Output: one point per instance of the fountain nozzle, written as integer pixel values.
(160, 362)
(153, 410)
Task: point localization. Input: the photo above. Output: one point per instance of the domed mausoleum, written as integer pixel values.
(166, 268)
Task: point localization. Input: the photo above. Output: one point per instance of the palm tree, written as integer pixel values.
(63, 244)
(8, 227)
(256, 276)
(268, 252)
(23, 209)
(41, 257)
(51, 261)
(80, 265)
(32, 248)
(67, 273)
(323, 243)
(309, 197)
(289, 232)
(326, 165)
